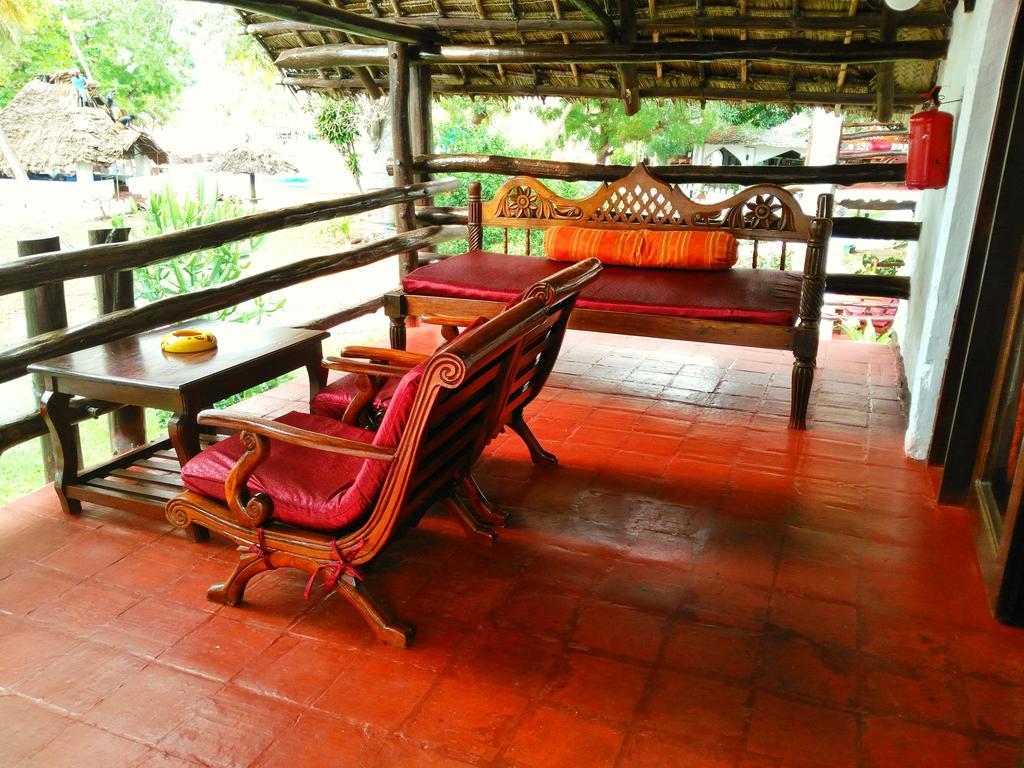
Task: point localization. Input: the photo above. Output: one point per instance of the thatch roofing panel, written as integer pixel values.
(50, 133)
(674, 20)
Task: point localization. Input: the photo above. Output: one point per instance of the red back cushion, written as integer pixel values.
(696, 249)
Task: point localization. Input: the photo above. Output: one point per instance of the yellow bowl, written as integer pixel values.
(188, 340)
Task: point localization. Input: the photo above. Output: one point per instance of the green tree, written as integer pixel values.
(131, 47)
(14, 18)
(763, 116)
(660, 130)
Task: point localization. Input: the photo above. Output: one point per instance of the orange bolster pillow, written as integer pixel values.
(697, 249)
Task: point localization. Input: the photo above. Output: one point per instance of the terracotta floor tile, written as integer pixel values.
(922, 696)
(294, 668)
(887, 742)
(816, 620)
(816, 672)
(595, 685)
(80, 743)
(151, 626)
(377, 692)
(800, 732)
(230, 728)
(995, 708)
(316, 738)
(27, 727)
(29, 648)
(85, 608)
(536, 607)
(32, 585)
(93, 551)
(220, 648)
(406, 755)
(646, 749)
(80, 678)
(713, 649)
(834, 582)
(507, 658)
(619, 630)
(697, 708)
(473, 720)
(549, 738)
(130, 710)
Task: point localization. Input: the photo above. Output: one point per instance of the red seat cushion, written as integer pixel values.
(765, 296)
(310, 488)
(333, 399)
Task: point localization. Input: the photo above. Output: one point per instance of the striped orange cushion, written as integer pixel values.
(696, 249)
(611, 246)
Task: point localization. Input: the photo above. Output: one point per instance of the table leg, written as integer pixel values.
(184, 433)
(54, 409)
(317, 376)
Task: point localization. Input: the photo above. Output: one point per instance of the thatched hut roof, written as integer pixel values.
(835, 28)
(252, 158)
(50, 133)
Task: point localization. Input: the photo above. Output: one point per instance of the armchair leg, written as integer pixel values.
(386, 629)
(233, 588)
(537, 453)
(474, 529)
(803, 379)
(482, 507)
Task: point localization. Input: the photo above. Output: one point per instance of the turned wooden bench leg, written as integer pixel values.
(803, 380)
(394, 308)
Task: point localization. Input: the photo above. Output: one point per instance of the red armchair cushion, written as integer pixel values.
(310, 488)
(765, 296)
(332, 400)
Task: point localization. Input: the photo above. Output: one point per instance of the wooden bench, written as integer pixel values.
(767, 308)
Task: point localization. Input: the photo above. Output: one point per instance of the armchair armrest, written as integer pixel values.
(254, 511)
(293, 435)
(383, 354)
(452, 320)
(396, 371)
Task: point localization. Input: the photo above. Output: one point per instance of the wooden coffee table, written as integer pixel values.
(135, 371)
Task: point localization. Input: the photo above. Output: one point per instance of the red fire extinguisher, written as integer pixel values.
(931, 141)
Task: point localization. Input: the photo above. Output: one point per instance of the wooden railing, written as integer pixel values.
(41, 274)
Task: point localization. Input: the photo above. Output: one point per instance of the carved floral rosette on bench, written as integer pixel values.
(772, 309)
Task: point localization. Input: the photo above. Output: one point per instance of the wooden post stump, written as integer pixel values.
(45, 311)
(114, 291)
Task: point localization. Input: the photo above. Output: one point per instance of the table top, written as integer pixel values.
(138, 360)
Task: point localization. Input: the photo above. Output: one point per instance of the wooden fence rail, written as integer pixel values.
(35, 271)
(700, 174)
(14, 359)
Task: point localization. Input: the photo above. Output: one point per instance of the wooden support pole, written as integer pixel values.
(45, 311)
(401, 144)
(629, 85)
(115, 291)
(885, 81)
(421, 125)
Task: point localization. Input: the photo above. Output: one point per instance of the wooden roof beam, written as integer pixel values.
(864, 22)
(595, 11)
(629, 84)
(452, 85)
(331, 18)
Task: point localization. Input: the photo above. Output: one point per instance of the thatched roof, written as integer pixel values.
(840, 26)
(50, 133)
(252, 158)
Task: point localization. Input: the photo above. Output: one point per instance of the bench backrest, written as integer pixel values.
(764, 212)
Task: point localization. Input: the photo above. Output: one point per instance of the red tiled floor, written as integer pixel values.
(694, 585)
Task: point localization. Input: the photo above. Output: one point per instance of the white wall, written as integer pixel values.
(970, 79)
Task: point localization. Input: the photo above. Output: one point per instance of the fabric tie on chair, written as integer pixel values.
(337, 568)
(259, 547)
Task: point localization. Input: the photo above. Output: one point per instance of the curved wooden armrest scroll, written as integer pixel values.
(256, 433)
(391, 370)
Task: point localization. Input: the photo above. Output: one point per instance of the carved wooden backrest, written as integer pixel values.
(640, 200)
(459, 400)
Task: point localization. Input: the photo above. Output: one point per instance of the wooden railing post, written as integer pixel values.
(114, 291)
(401, 142)
(421, 124)
(45, 311)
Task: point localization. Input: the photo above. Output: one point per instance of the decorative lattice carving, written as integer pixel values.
(763, 211)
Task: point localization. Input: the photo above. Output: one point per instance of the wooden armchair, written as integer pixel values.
(363, 394)
(330, 496)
